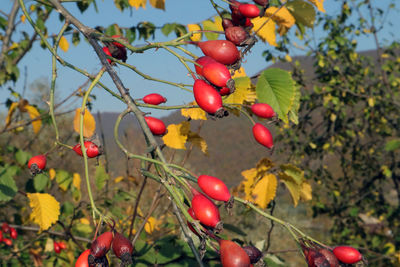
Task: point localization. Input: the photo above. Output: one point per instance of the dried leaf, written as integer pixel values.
(177, 135)
(64, 45)
(198, 141)
(194, 113)
(23, 18)
(194, 27)
(250, 177)
(160, 4)
(11, 110)
(33, 114)
(282, 17)
(138, 3)
(306, 192)
(265, 190)
(267, 32)
(45, 210)
(89, 123)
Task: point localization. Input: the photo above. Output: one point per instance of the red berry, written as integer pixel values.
(263, 135)
(7, 241)
(62, 245)
(263, 110)
(253, 253)
(37, 163)
(5, 227)
(208, 98)
(249, 10)
(214, 187)
(218, 74)
(236, 35)
(57, 248)
(204, 60)
(108, 53)
(232, 255)
(205, 210)
(330, 257)
(157, 126)
(92, 150)
(347, 254)
(82, 260)
(101, 245)
(226, 23)
(223, 51)
(122, 248)
(13, 233)
(225, 91)
(248, 23)
(1, 235)
(234, 5)
(154, 99)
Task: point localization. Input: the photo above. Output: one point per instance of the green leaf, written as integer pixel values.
(40, 24)
(294, 172)
(84, 229)
(75, 38)
(168, 28)
(101, 176)
(302, 11)
(40, 182)
(64, 179)
(294, 111)
(22, 157)
(180, 30)
(209, 25)
(392, 145)
(130, 34)
(276, 88)
(113, 29)
(8, 188)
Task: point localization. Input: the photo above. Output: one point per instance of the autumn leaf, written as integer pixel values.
(64, 45)
(265, 190)
(160, 4)
(194, 113)
(319, 4)
(76, 181)
(210, 25)
(264, 165)
(293, 187)
(177, 135)
(52, 174)
(294, 172)
(194, 27)
(268, 32)
(152, 225)
(23, 18)
(244, 92)
(11, 110)
(306, 192)
(118, 179)
(138, 3)
(281, 17)
(89, 123)
(250, 177)
(45, 210)
(198, 141)
(33, 114)
(239, 73)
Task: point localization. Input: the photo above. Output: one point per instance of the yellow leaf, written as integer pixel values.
(89, 124)
(194, 113)
(288, 58)
(218, 23)
(52, 174)
(294, 188)
(239, 73)
(390, 248)
(118, 179)
(281, 17)
(210, 25)
(138, 3)
(45, 210)
(264, 191)
(152, 225)
(264, 165)
(23, 18)
(160, 4)
(33, 114)
(198, 141)
(49, 245)
(244, 92)
(250, 176)
(13, 46)
(76, 181)
(177, 135)
(306, 192)
(11, 110)
(194, 27)
(319, 4)
(64, 45)
(84, 221)
(267, 32)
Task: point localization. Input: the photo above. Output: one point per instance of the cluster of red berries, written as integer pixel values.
(317, 256)
(59, 246)
(96, 255)
(7, 230)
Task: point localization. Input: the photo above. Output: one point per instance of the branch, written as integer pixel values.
(9, 31)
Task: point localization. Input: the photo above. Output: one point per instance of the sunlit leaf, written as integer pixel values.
(23, 18)
(152, 225)
(250, 176)
(296, 173)
(244, 92)
(319, 4)
(76, 181)
(294, 188)
(265, 190)
(194, 27)
(52, 174)
(63, 179)
(281, 17)
(198, 141)
(33, 114)
(239, 73)
(118, 179)
(210, 25)
(64, 45)
(89, 123)
(264, 165)
(306, 192)
(160, 4)
(45, 210)
(268, 31)
(177, 135)
(11, 110)
(302, 11)
(194, 113)
(138, 3)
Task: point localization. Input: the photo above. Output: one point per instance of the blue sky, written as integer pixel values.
(157, 63)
